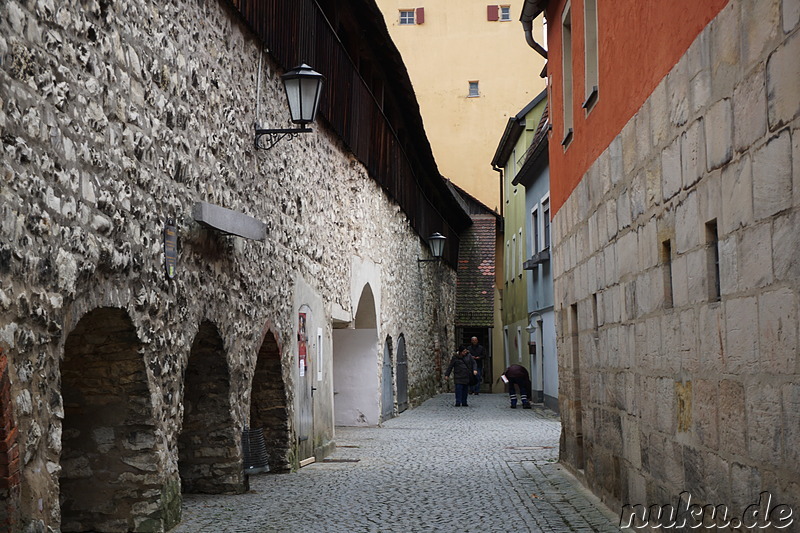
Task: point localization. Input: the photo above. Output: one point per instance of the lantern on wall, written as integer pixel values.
(303, 86)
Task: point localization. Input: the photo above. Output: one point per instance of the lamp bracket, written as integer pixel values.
(275, 135)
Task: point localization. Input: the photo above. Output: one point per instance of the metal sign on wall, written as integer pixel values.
(170, 248)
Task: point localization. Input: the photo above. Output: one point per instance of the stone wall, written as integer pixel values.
(9, 452)
(678, 278)
(115, 117)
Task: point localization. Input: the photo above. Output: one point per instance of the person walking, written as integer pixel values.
(517, 376)
(462, 365)
(478, 353)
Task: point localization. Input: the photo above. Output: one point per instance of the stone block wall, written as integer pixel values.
(115, 117)
(677, 265)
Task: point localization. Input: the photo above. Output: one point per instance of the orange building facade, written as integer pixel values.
(641, 42)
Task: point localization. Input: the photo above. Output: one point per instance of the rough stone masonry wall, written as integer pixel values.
(116, 116)
(694, 394)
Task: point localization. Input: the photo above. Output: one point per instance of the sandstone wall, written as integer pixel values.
(667, 384)
(115, 117)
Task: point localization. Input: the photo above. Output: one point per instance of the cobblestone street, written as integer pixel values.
(485, 468)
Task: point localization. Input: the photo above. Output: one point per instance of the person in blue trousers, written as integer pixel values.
(462, 365)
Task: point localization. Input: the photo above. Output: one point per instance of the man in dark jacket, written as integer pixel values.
(518, 375)
(478, 352)
(462, 365)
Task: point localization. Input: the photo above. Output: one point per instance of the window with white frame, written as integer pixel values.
(521, 244)
(508, 256)
(407, 17)
(546, 222)
(505, 13)
(535, 230)
(590, 49)
(513, 258)
(566, 73)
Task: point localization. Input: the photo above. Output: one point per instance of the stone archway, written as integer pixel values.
(109, 460)
(268, 404)
(209, 460)
(356, 370)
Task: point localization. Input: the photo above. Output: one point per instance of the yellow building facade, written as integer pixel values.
(470, 66)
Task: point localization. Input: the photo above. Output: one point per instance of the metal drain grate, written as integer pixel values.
(529, 447)
(340, 460)
(254, 450)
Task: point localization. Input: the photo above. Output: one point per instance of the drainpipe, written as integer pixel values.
(530, 11)
(527, 27)
(502, 187)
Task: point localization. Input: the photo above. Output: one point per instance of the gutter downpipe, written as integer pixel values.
(502, 186)
(530, 11)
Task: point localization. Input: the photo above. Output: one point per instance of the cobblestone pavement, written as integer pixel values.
(484, 468)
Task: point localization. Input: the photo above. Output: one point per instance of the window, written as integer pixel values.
(473, 89)
(520, 243)
(566, 65)
(410, 17)
(535, 230)
(513, 258)
(546, 223)
(496, 13)
(590, 49)
(666, 260)
(712, 258)
(507, 259)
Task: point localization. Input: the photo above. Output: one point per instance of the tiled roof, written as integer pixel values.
(476, 273)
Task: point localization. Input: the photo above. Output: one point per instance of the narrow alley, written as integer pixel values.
(486, 468)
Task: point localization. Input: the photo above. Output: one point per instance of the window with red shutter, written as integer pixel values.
(492, 13)
(420, 15)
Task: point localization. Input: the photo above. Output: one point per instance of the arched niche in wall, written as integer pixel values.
(209, 459)
(268, 410)
(108, 454)
(356, 370)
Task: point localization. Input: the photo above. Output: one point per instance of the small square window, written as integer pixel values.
(505, 13)
(473, 89)
(407, 16)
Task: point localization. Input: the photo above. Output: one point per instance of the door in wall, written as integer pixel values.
(305, 384)
(387, 385)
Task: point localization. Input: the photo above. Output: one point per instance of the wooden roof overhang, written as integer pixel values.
(368, 100)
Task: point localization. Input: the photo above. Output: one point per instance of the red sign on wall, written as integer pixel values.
(302, 344)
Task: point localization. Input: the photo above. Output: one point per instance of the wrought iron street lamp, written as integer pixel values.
(303, 88)
(436, 244)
